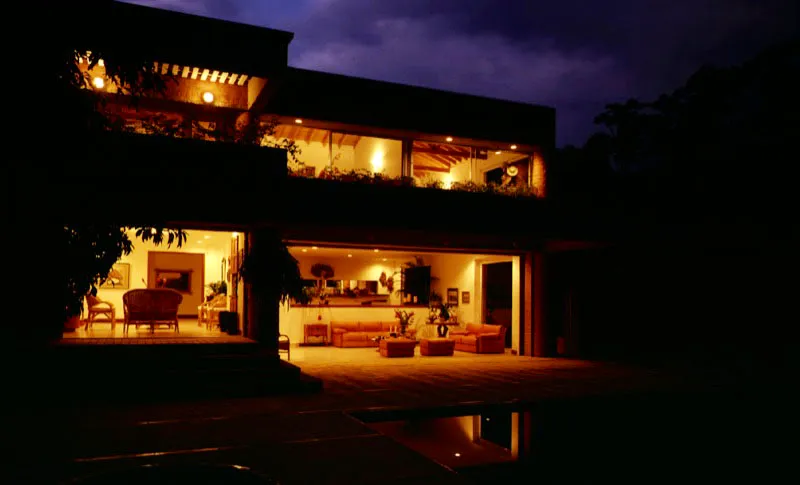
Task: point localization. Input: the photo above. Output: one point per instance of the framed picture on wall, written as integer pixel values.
(465, 297)
(452, 296)
(119, 278)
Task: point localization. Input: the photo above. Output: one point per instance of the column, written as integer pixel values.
(527, 305)
(540, 347)
(261, 302)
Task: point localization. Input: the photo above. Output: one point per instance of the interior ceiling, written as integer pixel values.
(341, 253)
(438, 157)
(308, 135)
(189, 72)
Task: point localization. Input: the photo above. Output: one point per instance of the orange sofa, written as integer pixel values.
(480, 338)
(360, 334)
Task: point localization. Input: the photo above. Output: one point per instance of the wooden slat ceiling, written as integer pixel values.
(309, 135)
(189, 72)
(437, 157)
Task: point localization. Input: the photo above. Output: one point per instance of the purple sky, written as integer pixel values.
(575, 55)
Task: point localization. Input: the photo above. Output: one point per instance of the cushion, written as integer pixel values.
(474, 327)
(491, 328)
(339, 330)
(354, 336)
(469, 340)
(371, 326)
(349, 326)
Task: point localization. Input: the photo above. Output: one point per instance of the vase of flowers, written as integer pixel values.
(404, 318)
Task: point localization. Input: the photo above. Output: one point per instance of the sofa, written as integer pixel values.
(360, 334)
(480, 338)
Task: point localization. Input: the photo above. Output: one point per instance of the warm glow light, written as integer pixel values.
(448, 181)
(235, 235)
(449, 138)
(199, 241)
(206, 237)
(513, 147)
(376, 250)
(349, 255)
(384, 259)
(208, 97)
(101, 63)
(98, 82)
(304, 250)
(314, 248)
(498, 152)
(377, 161)
(456, 454)
(298, 121)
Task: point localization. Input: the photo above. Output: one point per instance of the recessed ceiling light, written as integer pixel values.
(304, 250)
(206, 237)
(349, 255)
(513, 147)
(208, 97)
(449, 138)
(456, 454)
(98, 82)
(314, 248)
(384, 259)
(298, 121)
(199, 241)
(235, 235)
(376, 250)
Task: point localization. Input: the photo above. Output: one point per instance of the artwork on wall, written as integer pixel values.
(179, 280)
(465, 297)
(119, 278)
(452, 296)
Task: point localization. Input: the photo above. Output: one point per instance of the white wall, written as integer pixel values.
(138, 260)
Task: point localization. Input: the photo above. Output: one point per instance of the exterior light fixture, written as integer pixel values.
(512, 170)
(513, 147)
(208, 97)
(298, 121)
(98, 82)
(349, 255)
(449, 138)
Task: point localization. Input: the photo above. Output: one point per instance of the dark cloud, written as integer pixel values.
(572, 54)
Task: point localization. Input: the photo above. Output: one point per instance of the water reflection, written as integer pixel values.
(463, 441)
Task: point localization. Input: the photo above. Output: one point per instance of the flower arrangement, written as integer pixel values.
(405, 318)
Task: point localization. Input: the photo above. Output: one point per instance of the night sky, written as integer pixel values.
(574, 55)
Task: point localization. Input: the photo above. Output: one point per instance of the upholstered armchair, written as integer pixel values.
(95, 306)
(208, 312)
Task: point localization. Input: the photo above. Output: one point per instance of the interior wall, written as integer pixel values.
(516, 296)
(139, 256)
(379, 155)
(179, 262)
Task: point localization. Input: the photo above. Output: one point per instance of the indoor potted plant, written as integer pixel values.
(404, 318)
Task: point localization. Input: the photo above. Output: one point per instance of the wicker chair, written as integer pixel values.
(285, 345)
(208, 312)
(151, 306)
(95, 306)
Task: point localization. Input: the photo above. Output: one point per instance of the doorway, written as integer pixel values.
(498, 296)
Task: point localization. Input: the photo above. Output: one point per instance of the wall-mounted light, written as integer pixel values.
(513, 147)
(98, 82)
(208, 97)
(298, 121)
(235, 235)
(449, 139)
(512, 170)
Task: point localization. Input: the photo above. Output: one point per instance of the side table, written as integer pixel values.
(315, 330)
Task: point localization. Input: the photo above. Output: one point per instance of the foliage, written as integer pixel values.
(404, 317)
(218, 288)
(444, 310)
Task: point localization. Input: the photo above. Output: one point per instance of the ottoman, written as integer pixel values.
(397, 347)
(436, 346)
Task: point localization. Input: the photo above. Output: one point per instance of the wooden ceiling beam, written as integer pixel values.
(427, 168)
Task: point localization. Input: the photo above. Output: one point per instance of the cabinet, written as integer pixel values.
(318, 333)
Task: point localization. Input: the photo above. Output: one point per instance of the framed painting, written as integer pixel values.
(452, 296)
(465, 297)
(119, 278)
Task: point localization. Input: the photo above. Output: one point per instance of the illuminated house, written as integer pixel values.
(402, 191)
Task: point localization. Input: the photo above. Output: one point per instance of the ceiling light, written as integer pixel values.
(304, 250)
(498, 152)
(449, 138)
(235, 235)
(314, 248)
(199, 241)
(513, 147)
(456, 454)
(376, 250)
(208, 97)
(298, 121)
(349, 255)
(98, 82)
(384, 259)
(206, 237)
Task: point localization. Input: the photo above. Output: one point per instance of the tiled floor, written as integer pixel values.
(190, 333)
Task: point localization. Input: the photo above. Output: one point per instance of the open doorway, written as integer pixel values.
(498, 296)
